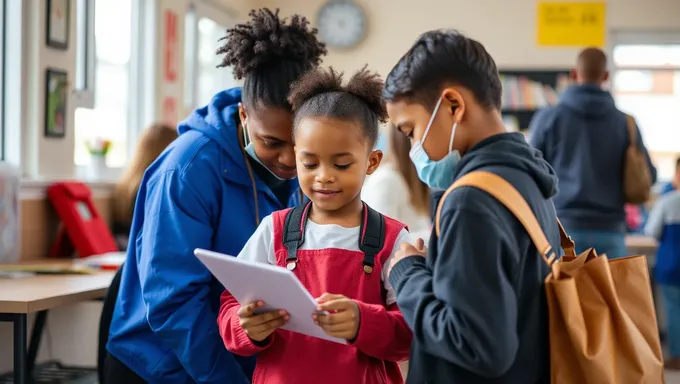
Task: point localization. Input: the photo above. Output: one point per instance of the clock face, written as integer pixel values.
(342, 25)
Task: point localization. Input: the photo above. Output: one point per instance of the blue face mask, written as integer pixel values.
(436, 174)
(250, 150)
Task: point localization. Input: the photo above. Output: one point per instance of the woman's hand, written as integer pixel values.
(342, 320)
(406, 250)
(259, 326)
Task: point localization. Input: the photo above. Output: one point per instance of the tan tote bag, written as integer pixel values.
(637, 177)
(603, 327)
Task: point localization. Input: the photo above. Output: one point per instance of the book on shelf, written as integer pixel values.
(520, 93)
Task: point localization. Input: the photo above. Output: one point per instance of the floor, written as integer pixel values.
(672, 377)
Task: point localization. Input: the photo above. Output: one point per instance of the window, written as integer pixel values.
(646, 84)
(204, 27)
(110, 117)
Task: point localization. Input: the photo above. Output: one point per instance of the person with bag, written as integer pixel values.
(598, 155)
(474, 297)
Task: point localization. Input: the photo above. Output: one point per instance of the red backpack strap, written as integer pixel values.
(294, 232)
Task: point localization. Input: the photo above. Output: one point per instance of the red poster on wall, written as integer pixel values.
(169, 111)
(170, 55)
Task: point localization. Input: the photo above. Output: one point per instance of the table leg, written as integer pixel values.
(20, 341)
(36, 336)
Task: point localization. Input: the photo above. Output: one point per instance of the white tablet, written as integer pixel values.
(277, 287)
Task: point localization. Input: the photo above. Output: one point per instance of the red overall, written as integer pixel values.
(383, 339)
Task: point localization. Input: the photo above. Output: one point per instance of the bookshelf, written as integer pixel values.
(527, 91)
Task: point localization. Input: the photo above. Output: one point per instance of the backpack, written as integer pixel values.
(602, 320)
(371, 241)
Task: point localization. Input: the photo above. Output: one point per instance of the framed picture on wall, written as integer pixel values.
(58, 15)
(56, 93)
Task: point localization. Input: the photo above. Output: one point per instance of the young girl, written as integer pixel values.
(335, 129)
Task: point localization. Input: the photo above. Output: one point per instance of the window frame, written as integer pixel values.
(86, 60)
(222, 15)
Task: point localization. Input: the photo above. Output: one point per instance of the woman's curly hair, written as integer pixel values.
(270, 53)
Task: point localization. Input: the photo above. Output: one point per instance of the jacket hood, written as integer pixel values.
(218, 121)
(511, 150)
(588, 100)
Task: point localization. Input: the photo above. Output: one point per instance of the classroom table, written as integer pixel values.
(22, 296)
(641, 244)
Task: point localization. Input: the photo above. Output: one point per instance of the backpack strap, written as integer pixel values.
(507, 195)
(372, 237)
(294, 232)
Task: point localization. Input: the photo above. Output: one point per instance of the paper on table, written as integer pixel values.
(277, 287)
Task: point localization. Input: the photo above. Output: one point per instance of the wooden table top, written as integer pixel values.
(641, 242)
(40, 292)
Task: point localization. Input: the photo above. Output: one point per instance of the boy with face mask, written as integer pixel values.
(476, 303)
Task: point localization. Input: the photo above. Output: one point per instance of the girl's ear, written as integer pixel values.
(374, 159)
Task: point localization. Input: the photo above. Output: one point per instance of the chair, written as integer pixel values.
(105, 322)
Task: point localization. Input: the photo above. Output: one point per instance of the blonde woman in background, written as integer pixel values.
(396, 191)
(152, 142)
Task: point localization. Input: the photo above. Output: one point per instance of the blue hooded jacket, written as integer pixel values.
(584, 137)
(198, 194)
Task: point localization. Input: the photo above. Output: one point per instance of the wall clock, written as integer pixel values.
(342, 23)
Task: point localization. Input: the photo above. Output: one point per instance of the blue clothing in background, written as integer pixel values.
(584, 137)
(664, 225)
(197, 194)
(666, 188)
(671, 302)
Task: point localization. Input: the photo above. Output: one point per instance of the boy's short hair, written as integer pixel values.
(677, 163)
(440, 57)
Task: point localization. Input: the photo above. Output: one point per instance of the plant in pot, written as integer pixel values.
(98, 149)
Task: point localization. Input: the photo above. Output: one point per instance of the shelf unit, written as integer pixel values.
(527, 91)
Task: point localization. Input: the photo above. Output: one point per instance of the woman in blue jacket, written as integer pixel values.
(232, 165)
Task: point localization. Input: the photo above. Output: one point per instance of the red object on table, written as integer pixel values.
(82, 228)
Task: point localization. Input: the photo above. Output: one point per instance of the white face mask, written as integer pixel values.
(436, 174)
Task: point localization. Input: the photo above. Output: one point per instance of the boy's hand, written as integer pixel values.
(406, 250)
(343, 318)
(259, 327)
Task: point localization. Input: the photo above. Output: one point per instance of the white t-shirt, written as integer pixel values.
(386, 191)
(260, 246)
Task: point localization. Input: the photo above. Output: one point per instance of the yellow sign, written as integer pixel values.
(571, 24)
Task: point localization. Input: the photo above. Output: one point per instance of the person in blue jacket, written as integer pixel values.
(232, 165)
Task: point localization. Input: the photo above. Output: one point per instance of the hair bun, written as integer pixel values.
(367, 86)
(313, 83)
(364, 85)
(266, 39)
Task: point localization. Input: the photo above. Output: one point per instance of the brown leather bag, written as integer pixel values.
(637, 177)
(602, 320)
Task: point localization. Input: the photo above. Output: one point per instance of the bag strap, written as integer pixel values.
(294, 230)
(372, 237)
(507, 195)
(632, 131)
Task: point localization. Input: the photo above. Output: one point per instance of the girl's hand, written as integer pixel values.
(343, 318)
(259, 326)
